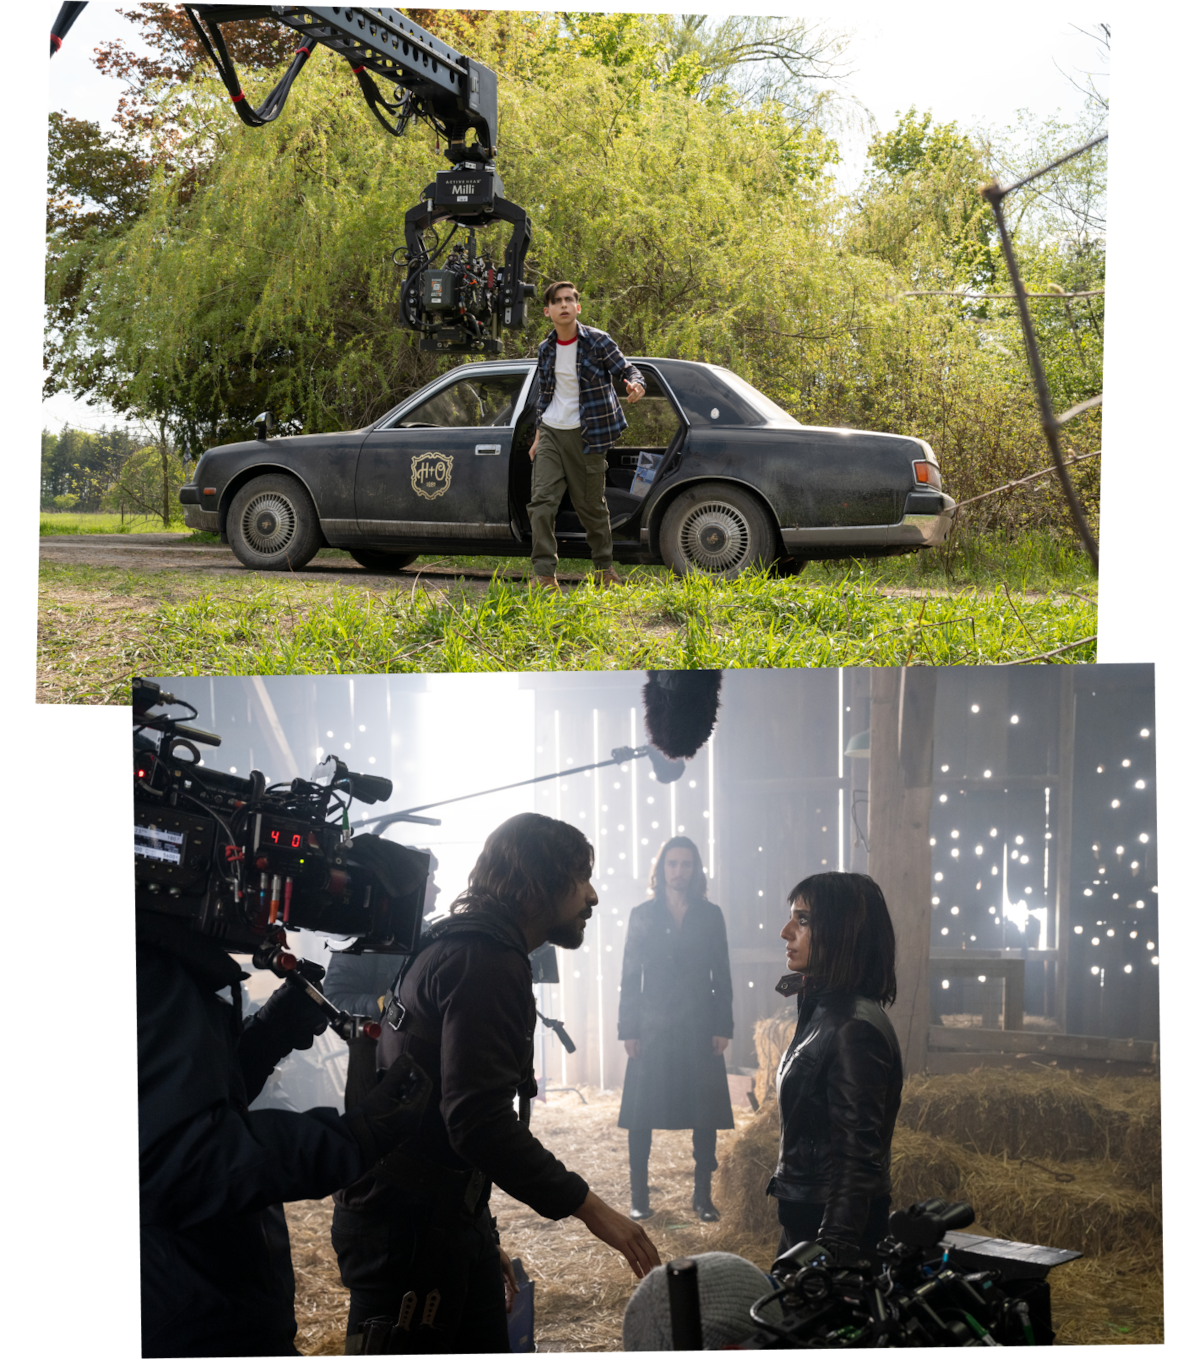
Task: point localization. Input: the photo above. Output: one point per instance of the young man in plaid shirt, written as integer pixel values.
(578, 419)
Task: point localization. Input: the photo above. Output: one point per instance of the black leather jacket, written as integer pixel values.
(839, 1091)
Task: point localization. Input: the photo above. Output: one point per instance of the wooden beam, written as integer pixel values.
(1063, 827)
(900, 797)
(1065, 1045)
(953, 1063)
(1011, 970)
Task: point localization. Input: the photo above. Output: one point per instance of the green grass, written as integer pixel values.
(102, 625)
(55, 522)
(1037, 560)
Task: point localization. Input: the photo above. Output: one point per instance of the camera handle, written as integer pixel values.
(306, 976)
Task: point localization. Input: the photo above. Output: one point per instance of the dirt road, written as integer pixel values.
(178, 552)
(152, 552)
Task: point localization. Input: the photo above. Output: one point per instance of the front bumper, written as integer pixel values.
(193, 515)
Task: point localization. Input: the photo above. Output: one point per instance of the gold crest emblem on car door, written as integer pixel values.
(431, 474)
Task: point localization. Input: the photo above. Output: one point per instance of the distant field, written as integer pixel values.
(53, 522)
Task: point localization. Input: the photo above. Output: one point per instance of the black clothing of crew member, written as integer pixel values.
(419, 1224)
(356, 983)
(676, 996)
(839, 1086)
(215, 1259)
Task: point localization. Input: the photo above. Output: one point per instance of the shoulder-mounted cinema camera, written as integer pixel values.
(242, 862)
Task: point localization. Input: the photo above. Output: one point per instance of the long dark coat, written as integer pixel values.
(676, 996)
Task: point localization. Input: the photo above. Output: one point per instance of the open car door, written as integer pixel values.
(656, 427)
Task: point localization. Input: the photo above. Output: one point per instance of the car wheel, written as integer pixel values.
(718, 530)
(375, 560)
(272, 525)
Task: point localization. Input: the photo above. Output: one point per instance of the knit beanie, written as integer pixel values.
(729, 1285)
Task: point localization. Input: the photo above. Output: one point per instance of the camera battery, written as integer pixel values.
(439, 290)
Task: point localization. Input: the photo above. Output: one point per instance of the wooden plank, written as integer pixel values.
(1062, 877)
(957, 1063)
(1011, 970)
(900, 796)
(1067, 1045)
(1011, 781)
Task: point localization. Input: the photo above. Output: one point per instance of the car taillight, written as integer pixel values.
(928, 474)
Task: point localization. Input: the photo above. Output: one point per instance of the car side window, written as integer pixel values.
(469, 403)
(652, 420)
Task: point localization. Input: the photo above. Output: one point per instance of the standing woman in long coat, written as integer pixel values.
(676, 1020)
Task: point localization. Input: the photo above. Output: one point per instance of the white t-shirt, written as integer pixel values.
(563, 410)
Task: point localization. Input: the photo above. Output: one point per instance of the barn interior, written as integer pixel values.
(1007, 812)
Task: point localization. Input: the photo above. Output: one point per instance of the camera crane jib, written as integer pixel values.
(457, 309)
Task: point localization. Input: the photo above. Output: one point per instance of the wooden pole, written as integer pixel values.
(1062, 883)
(900, 797)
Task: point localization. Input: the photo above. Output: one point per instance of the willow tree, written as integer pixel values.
(268, 274)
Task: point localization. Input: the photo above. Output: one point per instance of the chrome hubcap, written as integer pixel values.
(715, 538)
(269, 523)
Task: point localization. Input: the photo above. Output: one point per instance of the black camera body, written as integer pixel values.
(461, 303)
(243, 862)
(933, 1285)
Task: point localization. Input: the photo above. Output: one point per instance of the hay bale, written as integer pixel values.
(1080, 1204)
(740, 1183)
(1043, 1114)
(771, 1038)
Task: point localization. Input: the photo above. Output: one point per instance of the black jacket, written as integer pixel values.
(470, 994)
(676, 996)
(215, 1259)
(839, 1092)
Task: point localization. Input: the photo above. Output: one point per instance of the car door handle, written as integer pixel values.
(487, 450)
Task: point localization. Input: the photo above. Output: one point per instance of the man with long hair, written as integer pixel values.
(415, 1241)
(676, 1020)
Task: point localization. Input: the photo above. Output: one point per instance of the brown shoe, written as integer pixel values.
(608, 577)
(548, 582)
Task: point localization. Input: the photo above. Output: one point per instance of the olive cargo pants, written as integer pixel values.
(562, 464)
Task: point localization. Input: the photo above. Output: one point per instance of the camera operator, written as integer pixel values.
(415, 1241)
(216, 1268)
(840, 1080)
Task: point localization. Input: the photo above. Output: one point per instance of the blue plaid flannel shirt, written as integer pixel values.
(600, 365)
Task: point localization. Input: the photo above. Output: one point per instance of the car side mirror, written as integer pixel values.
(264, 424)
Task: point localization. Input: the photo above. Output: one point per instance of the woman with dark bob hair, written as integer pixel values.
(839, 1081)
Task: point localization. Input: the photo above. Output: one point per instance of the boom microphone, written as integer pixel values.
(681, 710)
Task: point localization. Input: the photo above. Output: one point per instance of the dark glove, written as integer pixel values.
(391, 1112)
(841, 1255)
(291, 1014)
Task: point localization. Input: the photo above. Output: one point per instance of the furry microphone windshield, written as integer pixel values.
(681, 709)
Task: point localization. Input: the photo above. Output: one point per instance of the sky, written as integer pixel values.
(891, 63)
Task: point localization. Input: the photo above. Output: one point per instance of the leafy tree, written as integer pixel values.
(698, 224)
(755, 60)
(920, 208)
(79, 466)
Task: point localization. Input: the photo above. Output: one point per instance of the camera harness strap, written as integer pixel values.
(404, 1167)
(407, 1170)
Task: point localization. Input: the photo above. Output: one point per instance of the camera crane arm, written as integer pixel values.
(459, 309)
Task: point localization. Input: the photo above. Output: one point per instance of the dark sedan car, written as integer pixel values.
(710, 476)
